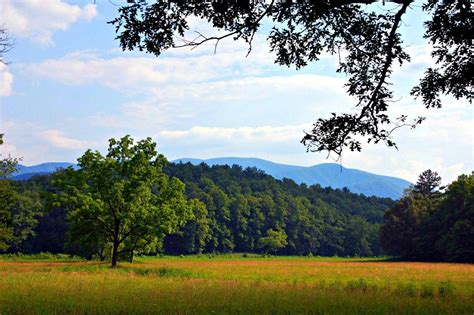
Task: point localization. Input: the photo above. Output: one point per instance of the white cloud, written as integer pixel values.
(59, 140)
(251, 88)
(38, 20)
(203, 105)
(6, 81)
(140, 74)
(245, 133)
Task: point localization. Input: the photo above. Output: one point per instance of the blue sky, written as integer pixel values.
(69, 87)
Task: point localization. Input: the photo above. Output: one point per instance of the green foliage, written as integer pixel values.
(455, 221)
(8, 164)
(162, 272)
(429, 225)
(428, 182)
(194, 235)
(123, 200)
(7, 196)
(40, 256)
(243, 204)
(273, 241)
(19, 212)
(230, 210)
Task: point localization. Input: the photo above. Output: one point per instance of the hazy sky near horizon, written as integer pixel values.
(69, 87)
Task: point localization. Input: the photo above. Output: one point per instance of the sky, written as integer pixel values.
(68, 87)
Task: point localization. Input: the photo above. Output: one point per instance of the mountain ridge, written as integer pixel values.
(326, 174)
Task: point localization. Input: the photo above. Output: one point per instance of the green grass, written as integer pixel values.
(233, 284)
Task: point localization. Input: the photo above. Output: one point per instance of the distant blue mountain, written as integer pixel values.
(327, 175)
(25, 172)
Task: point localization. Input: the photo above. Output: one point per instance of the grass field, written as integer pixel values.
(235, 285)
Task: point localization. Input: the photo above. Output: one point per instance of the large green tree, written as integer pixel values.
(366, 40)
(124, 198)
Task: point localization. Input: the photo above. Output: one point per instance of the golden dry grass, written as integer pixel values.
(200, 285)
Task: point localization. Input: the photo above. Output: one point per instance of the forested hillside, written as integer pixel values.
(242, 210)
(327, 175)
(245, 205)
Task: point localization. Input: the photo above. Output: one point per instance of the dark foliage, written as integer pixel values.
(428, 182)
(429, 225)
(247, 208)
(243, 210)
(368, 45)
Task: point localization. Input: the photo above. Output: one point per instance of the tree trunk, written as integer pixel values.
(115, 254)
(101, 255)
(116, 245)
(131, 256)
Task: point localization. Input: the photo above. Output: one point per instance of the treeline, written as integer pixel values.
(432, 224)
(131, 201)
(243, 210)
(245, 205)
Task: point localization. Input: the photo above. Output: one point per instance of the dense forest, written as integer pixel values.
(431, 224)
(132, 201)
(246, 205)
(240, 210)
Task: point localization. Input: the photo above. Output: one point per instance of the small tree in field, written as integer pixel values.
(124, 199)
(273, 241)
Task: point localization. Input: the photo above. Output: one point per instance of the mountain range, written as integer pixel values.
(327, 174)
(24, 172)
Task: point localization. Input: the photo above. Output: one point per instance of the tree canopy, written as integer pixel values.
(427, 183)
(123, 200)
(430, 225)
(368, 45)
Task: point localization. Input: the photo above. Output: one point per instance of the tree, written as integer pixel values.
(402, 228)
(19, 212)
(8, 164)
(124, 198)
(368, 45)
(193, 236)
(274, 240)
(356, 237)
(7, 200)
(456, 215)
(430, 225)
(428, 182)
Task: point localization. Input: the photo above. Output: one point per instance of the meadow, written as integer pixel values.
(234, 284)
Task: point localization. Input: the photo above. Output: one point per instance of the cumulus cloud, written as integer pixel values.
(140, 74)
(38, 20)
(59, 140)
(6, 81)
